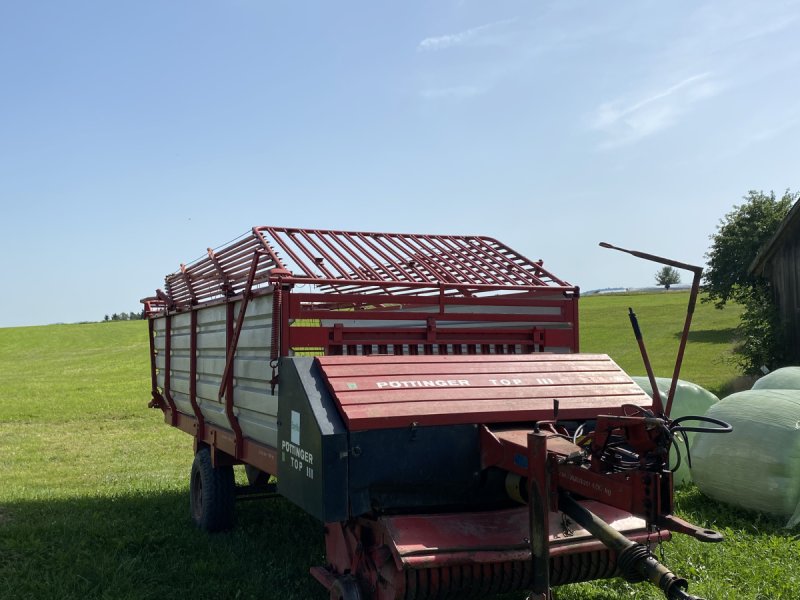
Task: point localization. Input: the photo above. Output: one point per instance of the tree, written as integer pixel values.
(740, 234)
(667, 276)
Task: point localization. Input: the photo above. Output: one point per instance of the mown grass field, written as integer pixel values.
(93, 485)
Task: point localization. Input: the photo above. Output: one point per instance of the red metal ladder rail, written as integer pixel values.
(200, 423)
(232, 334)
(173, 409)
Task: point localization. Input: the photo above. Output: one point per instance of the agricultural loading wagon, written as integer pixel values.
(424, 397)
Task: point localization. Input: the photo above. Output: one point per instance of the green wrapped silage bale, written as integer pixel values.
(690, 399)
(757, 466)
(787, 378)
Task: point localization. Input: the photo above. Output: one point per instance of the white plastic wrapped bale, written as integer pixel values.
(757, 466)
(787, 378)
(690, 399)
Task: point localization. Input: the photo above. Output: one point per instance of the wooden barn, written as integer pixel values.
(779, 262)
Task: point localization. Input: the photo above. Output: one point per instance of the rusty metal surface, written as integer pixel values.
(464, 555)
(375, 392)
(479, 534)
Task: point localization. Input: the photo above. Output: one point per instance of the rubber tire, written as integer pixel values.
(212, 493)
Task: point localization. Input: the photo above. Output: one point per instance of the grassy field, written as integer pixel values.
(93, 485)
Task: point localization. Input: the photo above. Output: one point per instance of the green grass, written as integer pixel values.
(93, 485)
(708, 361)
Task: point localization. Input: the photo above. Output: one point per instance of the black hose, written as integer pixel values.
(722, 426)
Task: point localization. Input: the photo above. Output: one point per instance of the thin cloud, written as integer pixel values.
(626, 121)
(771, 28)
(457, 39)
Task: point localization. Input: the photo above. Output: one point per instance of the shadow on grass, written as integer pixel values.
(710, 336)
(145, 546)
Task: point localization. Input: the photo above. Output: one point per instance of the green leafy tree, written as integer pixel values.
(667, 276)
(740, 234)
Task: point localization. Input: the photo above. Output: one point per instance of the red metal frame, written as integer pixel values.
(361, 263)
(387, 392)
(370, 277)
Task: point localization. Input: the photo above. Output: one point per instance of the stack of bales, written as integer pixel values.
(757, 466)
(690, 399)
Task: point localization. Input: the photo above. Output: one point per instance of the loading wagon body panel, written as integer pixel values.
(381, 392)
(341, 293)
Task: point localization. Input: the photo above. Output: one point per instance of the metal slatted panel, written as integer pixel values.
(386, 392)
(362, 263)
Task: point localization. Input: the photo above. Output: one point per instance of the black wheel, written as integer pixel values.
(212, 493)
(345, 588)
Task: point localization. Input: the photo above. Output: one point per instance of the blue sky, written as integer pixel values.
(133, 135)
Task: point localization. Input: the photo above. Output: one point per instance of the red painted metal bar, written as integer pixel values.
(482, 275)
(431, 288)
(365, 262)
(168, 367)
(226, 386)
(356, 238)
(575, 321)
(535, 340)
(400, 273)
(188, 282)
(512, 265)
(253, 453)
(267, 247)
(539, 511)
(156, 396)
(350, 268)
(486, 271)
(417, 250)
(226, 286)
(456, 260)
(233, 332)
(325, 255)
(416, 260)
(198, 413)
(698, 273)
(289, 251)
(319, 261)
